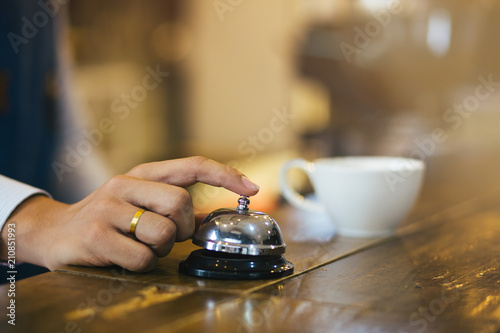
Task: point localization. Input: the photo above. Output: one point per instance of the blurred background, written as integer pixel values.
(254, 83)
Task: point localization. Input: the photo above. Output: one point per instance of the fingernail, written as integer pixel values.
(249, 184)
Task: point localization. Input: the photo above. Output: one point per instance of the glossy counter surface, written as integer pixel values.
(440, 272)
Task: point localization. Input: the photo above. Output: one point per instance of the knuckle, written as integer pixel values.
(178, 202)
(144, 260)
(103, 206)
(96, 234)
(184, 208)
(199, 160)
(182, 214)
(115, 183)
(187, 230)
(167, 232)
(138, 170)
(227, 173)
(167, 239)
(183, 199)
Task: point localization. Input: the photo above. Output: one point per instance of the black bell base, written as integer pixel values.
(227, 266)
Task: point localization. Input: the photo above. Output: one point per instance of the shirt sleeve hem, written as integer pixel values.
(12, 194)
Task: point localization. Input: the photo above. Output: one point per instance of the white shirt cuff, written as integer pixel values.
(12, 194)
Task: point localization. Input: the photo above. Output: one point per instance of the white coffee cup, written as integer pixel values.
(365, 196)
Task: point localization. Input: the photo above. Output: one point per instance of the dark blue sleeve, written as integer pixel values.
(28, 122)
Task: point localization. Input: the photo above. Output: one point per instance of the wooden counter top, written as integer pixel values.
(440, 272)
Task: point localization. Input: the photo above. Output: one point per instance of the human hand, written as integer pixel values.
(96, 230)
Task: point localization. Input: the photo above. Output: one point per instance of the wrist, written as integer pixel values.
(27, 226)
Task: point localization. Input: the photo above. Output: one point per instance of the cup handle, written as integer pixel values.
(292, 196)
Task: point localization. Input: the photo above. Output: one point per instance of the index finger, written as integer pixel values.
(188, 171)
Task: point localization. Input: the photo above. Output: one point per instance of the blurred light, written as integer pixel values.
(439, 32)
(326, 11)
(373, 5)
(310, 103)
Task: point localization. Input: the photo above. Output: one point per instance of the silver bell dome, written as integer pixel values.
(240, 231)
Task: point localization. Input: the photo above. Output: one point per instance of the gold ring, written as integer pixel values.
(136, 218)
